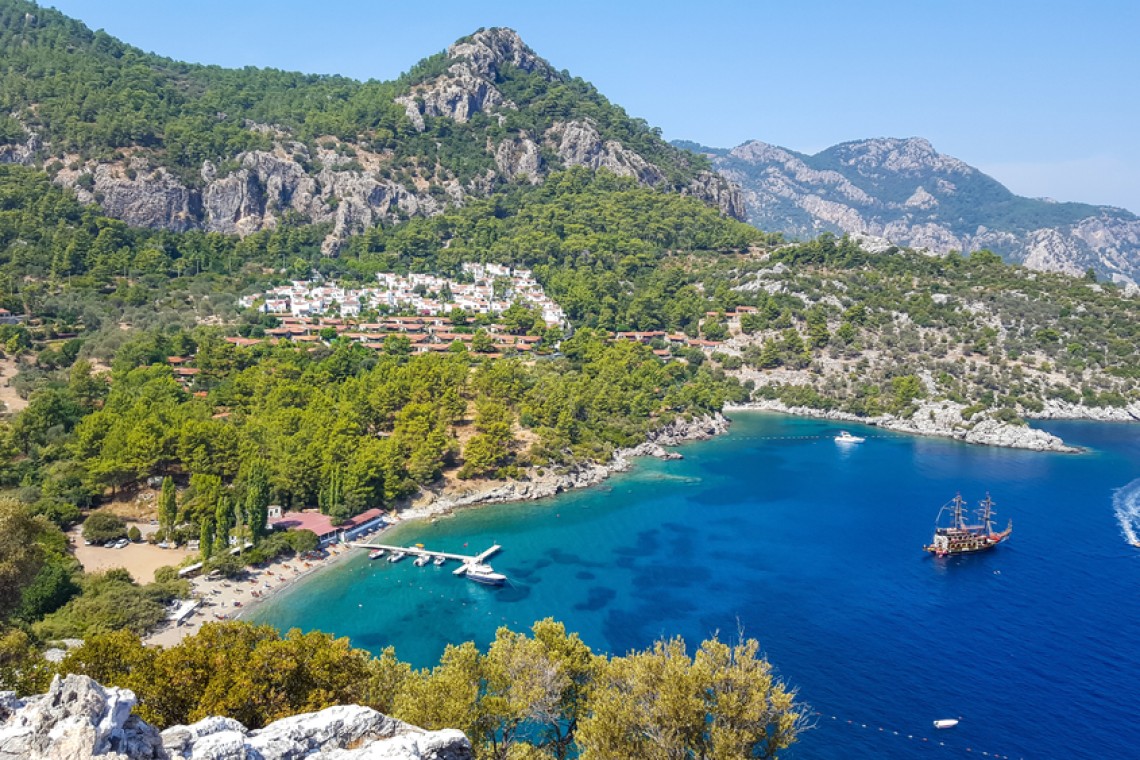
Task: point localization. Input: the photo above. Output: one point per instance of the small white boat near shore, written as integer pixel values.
(397, 556)
(845, 437)
(946, 723)
(422, 560)
(439, 560)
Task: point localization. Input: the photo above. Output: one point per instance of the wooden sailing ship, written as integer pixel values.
(954, 534)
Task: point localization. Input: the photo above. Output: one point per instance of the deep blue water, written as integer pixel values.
(815, 549)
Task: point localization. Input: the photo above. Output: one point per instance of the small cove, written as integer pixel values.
(815, 550)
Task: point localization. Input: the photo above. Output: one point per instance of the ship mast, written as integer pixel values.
(959, 513)
(987, 513)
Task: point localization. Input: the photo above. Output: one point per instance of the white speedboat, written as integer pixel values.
(422, 560)
(845, 437)
(946, 723)
(397, 556)
(486, 575)
(376, 554)
(439, 560)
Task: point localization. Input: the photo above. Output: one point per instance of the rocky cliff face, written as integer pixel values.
(352, 186)
(79, 719)
(908, 193)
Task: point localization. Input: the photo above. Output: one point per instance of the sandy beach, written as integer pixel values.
(224, 599)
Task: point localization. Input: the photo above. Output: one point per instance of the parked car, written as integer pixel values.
(122, 543)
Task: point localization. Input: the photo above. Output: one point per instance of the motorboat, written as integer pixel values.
(845, 437)
(946, 723)
(439, 560)
(422, 560)
(376, 554)
(397, 556)
(485, 574)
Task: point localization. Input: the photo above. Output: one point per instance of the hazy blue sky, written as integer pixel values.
(1042, 95)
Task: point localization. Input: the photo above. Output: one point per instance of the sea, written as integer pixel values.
(815, 549)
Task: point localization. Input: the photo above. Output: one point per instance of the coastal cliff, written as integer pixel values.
(78, 719)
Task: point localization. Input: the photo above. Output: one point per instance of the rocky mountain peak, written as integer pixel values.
(907, 155)
(755, 150)
(488, 49)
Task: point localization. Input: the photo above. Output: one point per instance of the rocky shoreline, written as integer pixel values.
(942, 419)
(540, 484)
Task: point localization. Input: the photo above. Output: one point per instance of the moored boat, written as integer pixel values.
(376, 554)
(422, 560)
(954, 535)
(485, 574)
(845, 437)
(397, 556)
(439, 560)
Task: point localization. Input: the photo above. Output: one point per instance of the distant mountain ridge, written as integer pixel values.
(903, 190)
(180, 146)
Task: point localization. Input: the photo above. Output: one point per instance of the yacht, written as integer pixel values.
(376, 554)
(439, 560)
(845, 437)
(485, 574)
(946, 723)
(422, 560)
(397, 556)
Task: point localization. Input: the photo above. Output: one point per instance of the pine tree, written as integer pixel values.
(167, 506)
(206, 538)
(223, 520)
(257, 499)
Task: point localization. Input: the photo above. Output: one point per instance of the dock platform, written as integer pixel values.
(464, 559)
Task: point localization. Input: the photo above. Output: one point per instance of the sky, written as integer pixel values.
(1041, 95)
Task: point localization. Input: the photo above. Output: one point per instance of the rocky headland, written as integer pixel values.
(79, 719)
(942, 419)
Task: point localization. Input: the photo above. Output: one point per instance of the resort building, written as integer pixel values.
(322, 525)
(481, 289)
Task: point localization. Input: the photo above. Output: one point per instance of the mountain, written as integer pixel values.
(903, 190)
(164, 144)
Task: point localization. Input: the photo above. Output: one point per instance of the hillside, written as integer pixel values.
(911, 195)
(164, 144)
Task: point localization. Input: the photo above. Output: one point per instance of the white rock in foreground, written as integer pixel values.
(79, 719)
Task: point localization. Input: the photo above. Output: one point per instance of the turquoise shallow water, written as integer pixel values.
(815, 549)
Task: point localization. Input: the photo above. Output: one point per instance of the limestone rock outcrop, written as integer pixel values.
(468, 87)
(353, 182)
(578, 143)
(76, 719)
(79, 719)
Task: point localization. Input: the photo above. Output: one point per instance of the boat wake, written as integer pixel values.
(1126, 503)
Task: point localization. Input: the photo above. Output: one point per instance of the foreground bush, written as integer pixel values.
(539, 695)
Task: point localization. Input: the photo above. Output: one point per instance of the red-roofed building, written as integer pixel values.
(323, 526)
